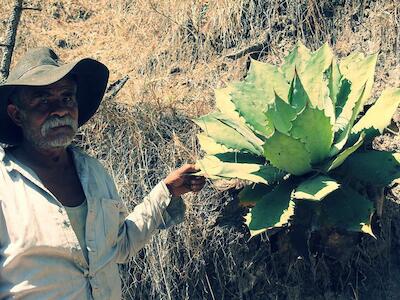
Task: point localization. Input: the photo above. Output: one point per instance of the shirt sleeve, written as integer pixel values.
(157, 211)
(174, 213)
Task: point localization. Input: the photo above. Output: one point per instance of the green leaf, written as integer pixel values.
(329, 107)
(298, 97)
(225, 132)
(210, 146)
(341, 98)
(333, 74)
(281, 115)
(314, 130)
(288, 154)
(269, 78)
(341, 157)
(223, 102)
(254, 193)
(270, 173)
(320, 60)
(342, 136)
(273, 210)
(312, 77)
(347, 209)
(381, 113)
(242, 129)
(360, 72)
(351, 59)
(376, 168)
(214, 167)
(315, 189)
(240, 157)
(252, 96)
(250, 105)
(296, 60)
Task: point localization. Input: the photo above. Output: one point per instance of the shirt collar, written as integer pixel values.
(2, 153)
(12, 164)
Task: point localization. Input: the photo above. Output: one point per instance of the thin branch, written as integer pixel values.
(252, 49)
(115, 87)
(9, 40)
(38, 8)
(392, 131)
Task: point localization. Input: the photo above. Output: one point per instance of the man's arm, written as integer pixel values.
(162, 208)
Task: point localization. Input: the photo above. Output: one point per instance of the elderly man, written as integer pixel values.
(63, 228)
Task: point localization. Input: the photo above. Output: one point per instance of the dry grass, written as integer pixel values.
(175, 54)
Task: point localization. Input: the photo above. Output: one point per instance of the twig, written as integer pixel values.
(37, 8)
(115, 87)
(392, 131)
(9, 42)
(257, 48)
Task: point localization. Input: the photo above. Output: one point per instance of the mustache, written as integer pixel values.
(55, 121)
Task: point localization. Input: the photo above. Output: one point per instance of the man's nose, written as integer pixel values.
(59, 108)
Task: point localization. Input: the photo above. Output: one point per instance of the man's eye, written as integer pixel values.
(69, 100)
(43, 101)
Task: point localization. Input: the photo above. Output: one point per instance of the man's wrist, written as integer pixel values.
(167, 188)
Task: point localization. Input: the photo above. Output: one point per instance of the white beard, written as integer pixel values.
(41, 140)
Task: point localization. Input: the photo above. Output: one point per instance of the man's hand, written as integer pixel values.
(182, 181)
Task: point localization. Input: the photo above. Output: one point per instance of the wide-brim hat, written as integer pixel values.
(41, 67)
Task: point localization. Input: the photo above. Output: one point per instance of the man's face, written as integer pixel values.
(48, 115)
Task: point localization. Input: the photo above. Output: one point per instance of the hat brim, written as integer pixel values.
(91, 77)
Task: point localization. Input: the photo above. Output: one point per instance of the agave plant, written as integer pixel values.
(297, 135)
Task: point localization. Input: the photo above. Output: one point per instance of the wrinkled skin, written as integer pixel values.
(182, 181)
(47, 115)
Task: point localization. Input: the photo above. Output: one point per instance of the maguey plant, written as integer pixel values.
(296, 133)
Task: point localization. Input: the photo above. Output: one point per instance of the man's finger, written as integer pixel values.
(197, 180)
(197, 187)
(188, 168)
(193, 179)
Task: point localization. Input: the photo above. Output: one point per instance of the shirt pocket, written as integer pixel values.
(113, 213)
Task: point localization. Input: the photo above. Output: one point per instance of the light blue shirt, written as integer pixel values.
(40, 254)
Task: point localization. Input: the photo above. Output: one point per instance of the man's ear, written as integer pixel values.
(15, 114)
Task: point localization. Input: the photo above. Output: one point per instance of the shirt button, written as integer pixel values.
(90, 249)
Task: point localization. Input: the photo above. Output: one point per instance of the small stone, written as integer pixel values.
(62, 43)
(175, 70)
